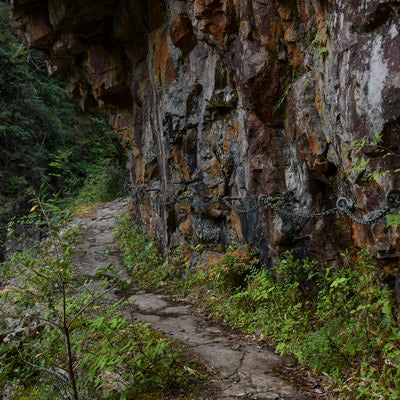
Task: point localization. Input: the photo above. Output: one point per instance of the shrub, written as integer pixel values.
(140, 252)
(338, 321)
(231, 271)
(61, 337)
(344, 325)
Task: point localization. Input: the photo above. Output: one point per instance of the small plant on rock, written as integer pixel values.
(369, 153)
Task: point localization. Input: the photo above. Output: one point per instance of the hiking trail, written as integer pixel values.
(240, 366)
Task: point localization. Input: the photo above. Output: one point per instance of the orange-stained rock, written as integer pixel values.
(36, 29)
(208, 259)
(163, 64)
(215, 19)
(181, 29)
(238, 98)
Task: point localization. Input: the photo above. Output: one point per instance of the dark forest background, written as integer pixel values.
(47, 143)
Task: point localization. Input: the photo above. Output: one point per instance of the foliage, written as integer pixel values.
(230, 272)
(336, 320)
(61, 337)
(318, 44)
(364, 165)
(91, 165)
(140, 252)
(339, 321)
(117, 356)
(46, 138)
(368, 151)
(285, 93)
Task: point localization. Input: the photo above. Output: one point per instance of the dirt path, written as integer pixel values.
(241, 368)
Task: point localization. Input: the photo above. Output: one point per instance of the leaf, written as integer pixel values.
(338, 282)
(34, 208)
(393, 220)
(132, 299)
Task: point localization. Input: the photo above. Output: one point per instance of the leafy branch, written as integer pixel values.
(363, 166)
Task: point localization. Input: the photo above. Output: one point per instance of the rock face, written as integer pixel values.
(232, 98)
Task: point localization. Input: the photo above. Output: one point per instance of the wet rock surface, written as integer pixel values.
(240, 367)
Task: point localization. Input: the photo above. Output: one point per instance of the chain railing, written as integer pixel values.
(280, 204)
(342, 205)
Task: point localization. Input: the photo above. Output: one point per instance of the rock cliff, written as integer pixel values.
(219, 102)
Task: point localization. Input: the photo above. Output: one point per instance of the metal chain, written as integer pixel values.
(342, 204)
(225, 200)
(324, 213)
(175, 200)
(278, 204)
(393, 198)
(305, 216)
(274, 203)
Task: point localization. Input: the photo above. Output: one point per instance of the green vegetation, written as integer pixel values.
(47, 139)
(140, 252)
(284, 95)
(376, 151)
(318, 44)
(368, 151)
(62, 337)
(340, 322)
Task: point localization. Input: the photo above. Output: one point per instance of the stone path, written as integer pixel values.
(241, 368)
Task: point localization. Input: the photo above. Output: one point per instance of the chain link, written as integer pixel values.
(305, 216)
(393, 198)
(324, 213)
(277, 203)
(342, 204)
(226, 200)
